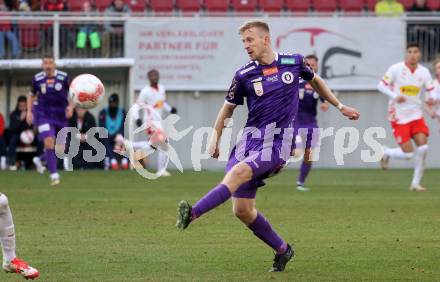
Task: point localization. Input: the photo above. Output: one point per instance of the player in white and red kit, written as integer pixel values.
(152, 100)
(7, 239)
(404, 83)
(434, 109)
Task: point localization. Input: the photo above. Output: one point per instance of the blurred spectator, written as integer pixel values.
(17, 124)
(2, 143)
(15, 5)
(419, 6)
(66, 34)
(112, 119)
(423, 34)
(55, 6)
(89, 30)
(83, 120)
(113, 39)
(388, 8)
(7, 32)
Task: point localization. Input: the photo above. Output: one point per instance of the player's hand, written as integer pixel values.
(213, 149)
(351, 113)
(29, 117)
(324, 107)
(173, 110)
(82, 138)
(69, 111)
(23, 115)
(400, 99)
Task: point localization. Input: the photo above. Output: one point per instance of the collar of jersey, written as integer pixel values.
(276, 60)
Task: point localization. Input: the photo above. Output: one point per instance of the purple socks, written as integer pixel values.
(51, 160)
(217, 196)
(263, 230)
(304, 171)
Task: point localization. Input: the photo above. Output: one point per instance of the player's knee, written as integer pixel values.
(4, 203)
(242, 212)
(49, 143)
(242, 172)
(409, 155)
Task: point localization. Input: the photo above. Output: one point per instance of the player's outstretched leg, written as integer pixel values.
(419, 167)
(395, 153)
(7, 238)
(240, 173)
(244, 209)
(51, 159)
(185, 213)
(39, 165)
(303, 172)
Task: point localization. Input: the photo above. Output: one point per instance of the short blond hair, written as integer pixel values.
(254, 23)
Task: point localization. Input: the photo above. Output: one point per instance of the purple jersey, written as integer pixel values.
(308, 101)
(52, 95)
(271, 92)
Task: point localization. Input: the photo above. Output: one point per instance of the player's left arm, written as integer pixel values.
(169, 109)
(324, 91)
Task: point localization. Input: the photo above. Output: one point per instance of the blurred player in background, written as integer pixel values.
(404, 84)
(7, 238)
(434, 109)
(152, 103)
(50, 87)
(270, 84)
(305, 124)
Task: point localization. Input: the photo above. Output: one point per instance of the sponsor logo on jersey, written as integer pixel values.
(60, 77)
(270, 71)
(247, 70)
(58, 86)
(258, 87)
(159, 105)
(287, 77)
(410, 90)
(273, 78)
(288, 61)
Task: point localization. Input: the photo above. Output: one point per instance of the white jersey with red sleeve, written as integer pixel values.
(151, 103)
(436, 96)
(410, 83)
(154, 97)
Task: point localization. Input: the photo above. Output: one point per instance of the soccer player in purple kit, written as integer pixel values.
(50, 87)
(270, 84)
(305, 124)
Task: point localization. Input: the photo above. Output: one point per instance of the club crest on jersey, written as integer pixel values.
(58, 86)
(270, 71)
(43, 88)
(287, 77)
(258, 87)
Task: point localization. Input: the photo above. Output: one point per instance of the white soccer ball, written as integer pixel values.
(27, 136)
(86, 91)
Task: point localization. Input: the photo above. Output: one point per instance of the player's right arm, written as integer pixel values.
(384, 85)
(234, 97)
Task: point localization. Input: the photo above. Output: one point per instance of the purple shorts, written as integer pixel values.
(307, 137)
(49, 128)
(262, 168)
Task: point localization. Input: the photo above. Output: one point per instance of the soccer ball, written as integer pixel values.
(86, 91)
(27, 136)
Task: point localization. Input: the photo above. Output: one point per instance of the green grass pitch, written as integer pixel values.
(355, 225)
